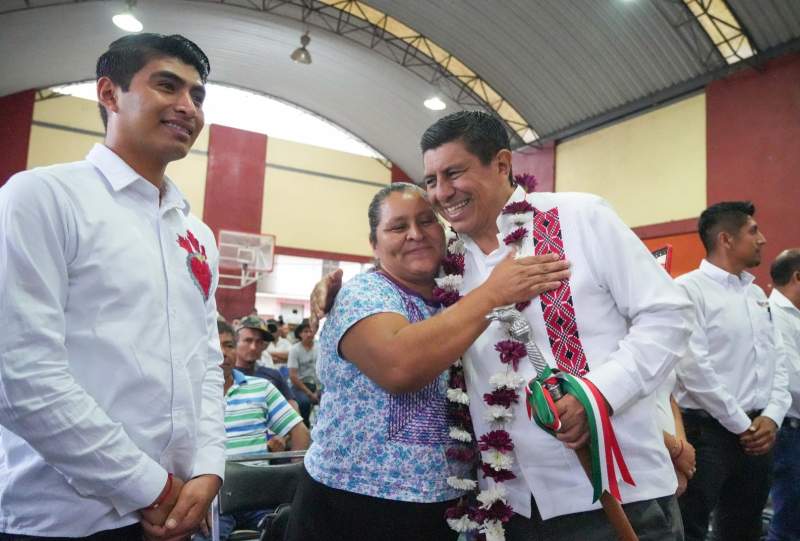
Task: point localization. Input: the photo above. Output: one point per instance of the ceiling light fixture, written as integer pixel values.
(435, 104)
(301, 54)
(126, 20)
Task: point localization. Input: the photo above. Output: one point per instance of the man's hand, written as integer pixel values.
(574, 425)
(322, 297)
(159, 516)
(314, 397)
(760, 437)
(683, 458)
(276, 444)
(188, 511)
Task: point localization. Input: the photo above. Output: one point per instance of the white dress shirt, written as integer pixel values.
(786, 317)
(632, 321)
(736, 363)
(109, 353)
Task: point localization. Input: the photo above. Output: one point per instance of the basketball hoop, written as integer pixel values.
(244, 258)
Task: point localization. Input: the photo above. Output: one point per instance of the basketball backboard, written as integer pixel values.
(244, 258)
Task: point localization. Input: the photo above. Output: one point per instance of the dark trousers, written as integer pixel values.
(728, 482)
(785, 524)
(653, 520)
(126, 533)
(322, 513)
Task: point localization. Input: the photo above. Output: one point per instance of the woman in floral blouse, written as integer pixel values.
(382, 449)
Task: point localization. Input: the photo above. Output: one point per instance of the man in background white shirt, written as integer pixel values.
(784, 302)
(733, 387)
(110, 388)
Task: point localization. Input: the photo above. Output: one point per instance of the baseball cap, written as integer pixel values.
(255, 322)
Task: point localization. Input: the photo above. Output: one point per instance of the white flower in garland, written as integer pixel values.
(458, 396)
(456, 247)
(493, 530)
(462, 524)
(503, 380)
(498, 460)
(498, 415)
(460, 434)
(492, 494)
(460, 483)
(450, 282)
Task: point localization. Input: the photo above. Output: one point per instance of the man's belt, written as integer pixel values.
(703, 414)
(791, 422)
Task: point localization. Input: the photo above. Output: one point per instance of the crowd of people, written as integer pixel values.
(492, 378)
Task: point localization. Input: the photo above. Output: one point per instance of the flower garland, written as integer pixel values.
(489, 509)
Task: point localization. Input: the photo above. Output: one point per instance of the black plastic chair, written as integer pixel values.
(251, 487)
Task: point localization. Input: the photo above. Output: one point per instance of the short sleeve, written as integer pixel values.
(363, 296)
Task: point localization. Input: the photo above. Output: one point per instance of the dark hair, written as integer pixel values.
(127, 55)
(483, 134)
(785, 265)
(728, 216)
(223, 327)
(300, 328)
(374, 209)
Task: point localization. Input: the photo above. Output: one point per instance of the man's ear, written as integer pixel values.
(107, 91)
(504, 162)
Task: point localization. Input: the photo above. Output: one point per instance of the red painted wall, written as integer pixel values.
(234, 198)
(753, 149)
(16, 110)
(539, 162)
(398, 175)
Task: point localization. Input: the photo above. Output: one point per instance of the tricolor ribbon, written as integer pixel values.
(605, 452)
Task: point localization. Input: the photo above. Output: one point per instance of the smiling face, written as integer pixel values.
(466, 192)
(409, 240)
(160, 115)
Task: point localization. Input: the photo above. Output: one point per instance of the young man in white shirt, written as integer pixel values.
(733, 387)
(784, 303)
(110, 402)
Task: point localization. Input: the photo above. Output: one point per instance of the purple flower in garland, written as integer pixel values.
(501, 397)
(459, 414)
(453, 264)
(526, 181)
(457, 380)
(518, 207)
(515, 236)
(446, 297)
(500, 511)
(511, 351)
(458, 510)
(499, 476)
(462, 453)
(522, 305)
(496, 439)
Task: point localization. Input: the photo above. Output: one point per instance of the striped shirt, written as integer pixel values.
(254, 410)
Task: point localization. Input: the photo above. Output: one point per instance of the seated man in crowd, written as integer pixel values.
(303, 369)
(279, 348)
(252, 336)
(257, 419)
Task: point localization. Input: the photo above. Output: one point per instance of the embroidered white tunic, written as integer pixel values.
(632, 323)
(109, 353)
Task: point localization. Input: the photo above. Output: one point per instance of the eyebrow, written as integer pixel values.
(175, 78)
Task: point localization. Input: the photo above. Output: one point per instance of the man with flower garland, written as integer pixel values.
(618, 326)
(110, 387)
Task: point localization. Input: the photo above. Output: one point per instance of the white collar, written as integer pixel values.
(120, 175)
(724, 277)
(783, 301)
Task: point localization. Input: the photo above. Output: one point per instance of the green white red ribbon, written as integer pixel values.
(605, 452)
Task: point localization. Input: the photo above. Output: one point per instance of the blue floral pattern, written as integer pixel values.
(366, 440)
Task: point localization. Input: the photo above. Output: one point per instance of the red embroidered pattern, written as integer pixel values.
(197, 262)
(557, 305)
